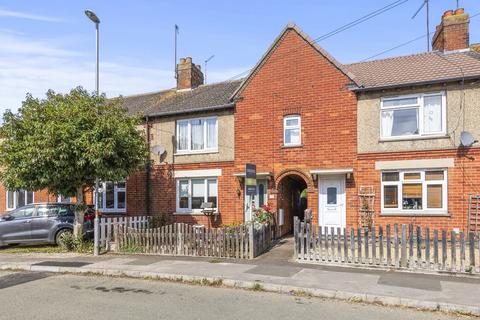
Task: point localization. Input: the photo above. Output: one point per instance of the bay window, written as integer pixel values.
(414, 191)
(20, 198)
(192, 192)
(112, 196)
(196, 135)
(413, 116)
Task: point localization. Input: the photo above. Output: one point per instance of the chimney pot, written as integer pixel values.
(182, 60)
(188, 59)
(459, 11)
(447, 14)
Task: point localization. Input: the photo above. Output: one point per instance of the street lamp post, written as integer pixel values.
(93, 17)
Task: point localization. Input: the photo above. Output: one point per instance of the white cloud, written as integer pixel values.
(35, 66)
(28, 16)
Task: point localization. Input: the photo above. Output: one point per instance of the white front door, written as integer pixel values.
(332, 209)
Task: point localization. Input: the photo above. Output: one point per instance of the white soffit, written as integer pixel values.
(259, 174)
(198, 173)
(415, 164)
(331, 171)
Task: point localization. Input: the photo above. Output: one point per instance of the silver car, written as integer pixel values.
(40, 223)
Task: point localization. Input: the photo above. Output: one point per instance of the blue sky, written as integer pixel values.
(50, 44)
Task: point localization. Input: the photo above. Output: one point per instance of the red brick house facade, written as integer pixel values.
(322, 135)
(297, 78)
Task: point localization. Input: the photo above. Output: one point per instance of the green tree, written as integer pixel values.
(63, 142)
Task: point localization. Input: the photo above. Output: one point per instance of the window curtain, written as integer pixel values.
(432, 114)
(434, 196)
(387, 123)
(198, 193)
(197, 134)
(211, 133)
(183, 136)
(212, 192)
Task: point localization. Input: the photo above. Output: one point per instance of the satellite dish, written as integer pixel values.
(159, 150)
(467, 139)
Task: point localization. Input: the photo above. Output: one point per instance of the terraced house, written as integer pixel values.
(373, 142)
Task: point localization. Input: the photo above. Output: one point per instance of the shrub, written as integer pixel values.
(263, 214)
(160, 220)
(70, 242)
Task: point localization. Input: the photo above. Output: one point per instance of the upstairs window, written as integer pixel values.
(292, 132)
(413, 116)
(20, 198)
(196, 135)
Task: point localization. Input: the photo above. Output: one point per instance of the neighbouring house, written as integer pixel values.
(374, 142)
(411, 113)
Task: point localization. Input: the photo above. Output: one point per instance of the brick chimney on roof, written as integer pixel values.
(189, 75)
(452, 33)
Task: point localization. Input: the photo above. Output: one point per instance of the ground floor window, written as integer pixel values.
(112, 196)
(191, 193)
(414, 191)
(20, 198)
(63, 199)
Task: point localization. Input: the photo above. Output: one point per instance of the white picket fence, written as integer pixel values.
(106, 226)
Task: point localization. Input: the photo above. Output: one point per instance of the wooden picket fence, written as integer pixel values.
(180, 239)
(106, 226)
(400, 247)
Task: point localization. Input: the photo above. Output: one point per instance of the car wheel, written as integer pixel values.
(61, 234)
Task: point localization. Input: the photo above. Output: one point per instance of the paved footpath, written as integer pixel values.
(273, 272)
(44, 296)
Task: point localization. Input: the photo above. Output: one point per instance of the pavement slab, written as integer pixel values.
(275, 272)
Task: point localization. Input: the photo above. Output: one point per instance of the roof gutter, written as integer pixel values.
(409, 84)
(210, 108)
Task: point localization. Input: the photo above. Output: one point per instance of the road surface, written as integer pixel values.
(28, 295)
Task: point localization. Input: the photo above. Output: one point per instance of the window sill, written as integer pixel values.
(190, 213)
(112, 211)
(409, 138)
(189, 153)
(415, 214)
(286, 146)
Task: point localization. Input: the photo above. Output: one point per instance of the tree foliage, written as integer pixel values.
(63, 142)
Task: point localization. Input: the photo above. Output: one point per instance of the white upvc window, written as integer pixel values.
(413, 116)
(63, 199)
(292, 130)
(20, 198)
(414, 191)
(192, 192)
(197, 135)
(112, 196)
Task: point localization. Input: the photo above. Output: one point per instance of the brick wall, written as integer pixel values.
(462, 180)
(163, 193)
(297, 79)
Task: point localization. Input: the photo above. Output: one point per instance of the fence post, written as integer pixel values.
(453, 244)
(404, 247)
(444, 249)
(419, 246)
(435, 248)
(471, 244)
(251, 243)
(96, 233)
(295, 236)
(389, 246)
(116, 236)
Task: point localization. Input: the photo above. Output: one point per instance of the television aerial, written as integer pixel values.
(158, 150)
(466, 139)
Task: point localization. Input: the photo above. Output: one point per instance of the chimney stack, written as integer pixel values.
(452, 33)
(189, 75)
